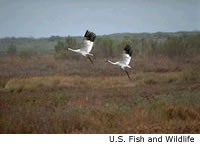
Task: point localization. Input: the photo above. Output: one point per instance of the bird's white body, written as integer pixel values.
(85, 50)
(87, 45)
(123, 62)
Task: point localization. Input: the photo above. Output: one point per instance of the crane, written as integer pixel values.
(124, 60)
(87, 45)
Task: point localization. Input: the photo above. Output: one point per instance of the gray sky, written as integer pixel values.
(42, 18)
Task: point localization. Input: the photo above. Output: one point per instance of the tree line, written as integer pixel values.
(162, 44)
(104, 46)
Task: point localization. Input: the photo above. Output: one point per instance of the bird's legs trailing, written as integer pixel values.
(127, 74)
(131, 69)
(90, 59)
(90, 54)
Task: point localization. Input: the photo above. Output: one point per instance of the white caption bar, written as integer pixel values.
(99, 138)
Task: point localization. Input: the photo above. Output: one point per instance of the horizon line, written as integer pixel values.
(40, 37)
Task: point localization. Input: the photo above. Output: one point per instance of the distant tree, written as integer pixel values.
(70, 42)
(174, 46)
(24, 53)
(27, 53)
(55, 38)
(104, 46)
(61, 48)
(12, 50)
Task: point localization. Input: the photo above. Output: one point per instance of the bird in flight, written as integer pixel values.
(124, 60)
(87, 45)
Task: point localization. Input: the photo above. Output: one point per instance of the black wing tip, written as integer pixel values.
(90, 35)
(93, 36)
(128, 50)
(87, 34)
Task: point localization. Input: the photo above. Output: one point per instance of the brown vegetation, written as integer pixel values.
(45, 95)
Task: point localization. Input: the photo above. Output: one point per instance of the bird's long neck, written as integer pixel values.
(114, 63)
(77, 50)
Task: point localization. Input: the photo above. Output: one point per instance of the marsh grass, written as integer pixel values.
(190, 75)
(3, 83)
(68, 98)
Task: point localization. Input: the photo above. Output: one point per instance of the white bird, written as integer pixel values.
(87, 45)
(124, 60)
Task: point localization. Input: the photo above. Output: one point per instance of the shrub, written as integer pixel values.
(3, 83)
(12, 50)
(150, 81)
(190, 75)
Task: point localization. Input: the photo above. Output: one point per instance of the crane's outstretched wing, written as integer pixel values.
(88, 41)
(126, 56)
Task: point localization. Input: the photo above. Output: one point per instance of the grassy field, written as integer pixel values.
(44, 95)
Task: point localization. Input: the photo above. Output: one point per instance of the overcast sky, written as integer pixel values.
(42, 18)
